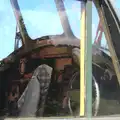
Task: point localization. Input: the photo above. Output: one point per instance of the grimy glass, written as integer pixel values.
(63, 59)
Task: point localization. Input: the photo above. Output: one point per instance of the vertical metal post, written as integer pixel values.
(88, 59)
(82, 58)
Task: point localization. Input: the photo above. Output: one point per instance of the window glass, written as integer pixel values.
(95, 23)
(105, 74)
(41, 17)
(7, 28)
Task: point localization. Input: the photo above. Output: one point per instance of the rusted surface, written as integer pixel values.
(14, 94)
(22, 66)
(60, 63)
(50, 52)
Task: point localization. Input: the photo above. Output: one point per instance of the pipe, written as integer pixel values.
(82, 59)
(64, 19)
(20, 22)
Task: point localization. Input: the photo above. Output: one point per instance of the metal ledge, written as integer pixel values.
(71, 118)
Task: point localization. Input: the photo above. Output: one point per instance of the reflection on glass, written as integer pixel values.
(106, 73)
(62, 61)
(45, 80)
(7, 28)
(95, 27)
(41, 17)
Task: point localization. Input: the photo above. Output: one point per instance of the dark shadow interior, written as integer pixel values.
(62, 64)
